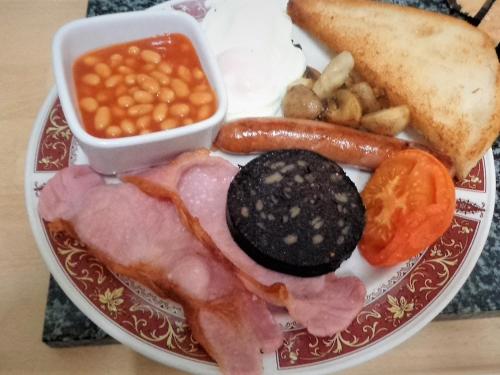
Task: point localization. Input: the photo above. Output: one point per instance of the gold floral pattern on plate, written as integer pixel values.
(72, 254)
(173, 333)
(389, 311)
(111, 300)
(54, 149)
(476, 180)
(399, 308)
(115, 300)
(325, 347)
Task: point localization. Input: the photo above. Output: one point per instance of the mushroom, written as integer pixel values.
(389, 121)
(344, 108)
(334, 75)
(301, 102)
(354, 77)
(366, 96)
(307, 82)
(311, 73)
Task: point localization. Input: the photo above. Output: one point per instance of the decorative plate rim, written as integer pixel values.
(66, 283)
(343, 361)
(170, 358)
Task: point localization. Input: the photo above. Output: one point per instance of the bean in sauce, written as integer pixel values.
(142, 86)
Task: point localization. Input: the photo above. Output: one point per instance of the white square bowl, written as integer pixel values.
(111, 156)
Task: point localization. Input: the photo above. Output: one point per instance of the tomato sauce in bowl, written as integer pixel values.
(142, 86)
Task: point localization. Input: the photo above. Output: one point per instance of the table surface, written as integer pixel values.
(26, 28)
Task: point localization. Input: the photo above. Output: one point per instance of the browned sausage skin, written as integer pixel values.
(341, 144)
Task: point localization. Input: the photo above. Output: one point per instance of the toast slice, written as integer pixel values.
(444, 69)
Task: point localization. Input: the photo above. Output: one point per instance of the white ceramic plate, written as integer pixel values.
(400, 301)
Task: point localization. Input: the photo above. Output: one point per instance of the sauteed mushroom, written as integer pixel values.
(312, 73)
(388, 121)
(307, 82)
(344, 108)
(301, 102)
(366, 96)
(334, 75)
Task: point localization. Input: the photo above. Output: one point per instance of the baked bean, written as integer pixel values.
(166, 95)
(200, 87)
(102, 69)
(184, 73)
(102, 118)
(166, 68)
(113, 81)
(131, 62)
(134, 50)
(118, 112)
(169, 123)
(90, 60)
(180, 88)
(200, 98)
(113, 131)
(125, 101)
(130, 89)
(160, 112)
(102, 97)
(187, 121)
(133, 89)
(125, 69)
(130, 79)
(179, 109)
(198, 74)
(143, 97)
(143, 122)
(148, 68)
(128, 127)
(140, 109)
(86, 90)
(151, 85)
(115, 59)
(141, 77)
(160, 77)
(91, 79)
(89, 104)
(120, 90)
(151, 56)
(204, 112)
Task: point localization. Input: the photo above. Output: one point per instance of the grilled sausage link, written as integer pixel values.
(338, 143)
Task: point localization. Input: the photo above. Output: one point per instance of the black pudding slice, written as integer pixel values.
(295, 212)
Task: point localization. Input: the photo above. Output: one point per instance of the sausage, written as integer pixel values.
(339, 143)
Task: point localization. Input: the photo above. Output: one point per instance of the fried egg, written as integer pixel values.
(252, 41)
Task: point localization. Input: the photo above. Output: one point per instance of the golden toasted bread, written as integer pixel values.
(444, 69)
